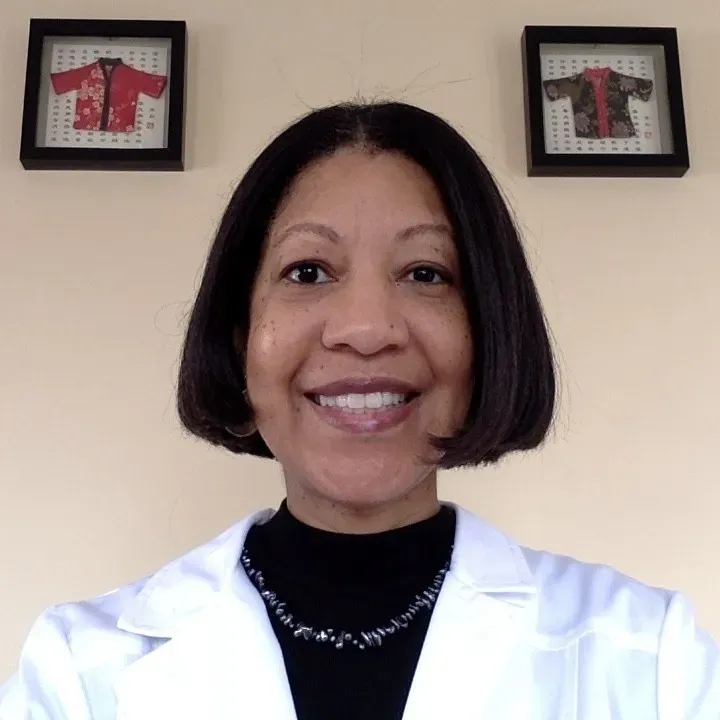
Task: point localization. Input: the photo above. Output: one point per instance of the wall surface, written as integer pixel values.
(98, 485)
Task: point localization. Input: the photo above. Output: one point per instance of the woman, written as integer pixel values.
(367, 317)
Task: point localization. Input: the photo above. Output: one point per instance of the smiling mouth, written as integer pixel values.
(364, 403)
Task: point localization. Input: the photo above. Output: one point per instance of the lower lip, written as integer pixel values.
(369, 421)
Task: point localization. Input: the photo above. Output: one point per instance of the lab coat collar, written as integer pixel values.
(485, 560)
(189, 585)
(222, 660)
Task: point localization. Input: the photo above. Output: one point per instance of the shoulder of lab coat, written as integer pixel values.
(75, 652)
(578, 599)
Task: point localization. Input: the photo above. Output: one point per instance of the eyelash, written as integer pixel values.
(444, 275)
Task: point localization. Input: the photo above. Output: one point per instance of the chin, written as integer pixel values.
(358, 490)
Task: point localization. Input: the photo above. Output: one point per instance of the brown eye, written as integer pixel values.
(428, 275)
(307, 274)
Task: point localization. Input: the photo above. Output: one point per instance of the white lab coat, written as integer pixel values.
(516, 635)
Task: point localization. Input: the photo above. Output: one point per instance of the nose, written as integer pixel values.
(365, 315)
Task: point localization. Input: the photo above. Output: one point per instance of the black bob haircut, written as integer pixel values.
(514, 395)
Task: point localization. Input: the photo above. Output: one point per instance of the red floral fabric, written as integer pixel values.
(107, 93)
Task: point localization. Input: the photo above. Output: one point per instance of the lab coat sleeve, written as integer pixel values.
(688, 667)
(47, 685)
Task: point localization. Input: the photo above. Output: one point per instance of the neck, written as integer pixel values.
(334, 515)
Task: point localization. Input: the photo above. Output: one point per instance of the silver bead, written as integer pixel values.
(303, 631)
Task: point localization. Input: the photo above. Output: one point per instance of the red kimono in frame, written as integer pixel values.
(108, 91)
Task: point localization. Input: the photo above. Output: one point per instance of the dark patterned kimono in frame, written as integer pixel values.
(600, 101)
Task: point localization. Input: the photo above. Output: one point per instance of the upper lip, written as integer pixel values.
(363, 386)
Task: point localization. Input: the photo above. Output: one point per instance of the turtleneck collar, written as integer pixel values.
(352, 559)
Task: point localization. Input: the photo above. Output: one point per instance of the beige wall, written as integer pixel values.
(97, 483)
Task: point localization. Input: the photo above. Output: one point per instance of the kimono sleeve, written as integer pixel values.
(149, 84)
(68, 80)
(644, 89)
(46, 685)
(636, 87)
(688, 667)
(559, 87)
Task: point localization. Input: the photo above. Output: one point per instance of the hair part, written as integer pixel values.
(514, 391)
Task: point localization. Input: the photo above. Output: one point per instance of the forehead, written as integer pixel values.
(360, 184)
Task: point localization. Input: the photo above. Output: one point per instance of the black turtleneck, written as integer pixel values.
(354, 583)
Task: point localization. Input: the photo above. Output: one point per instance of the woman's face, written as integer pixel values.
(359, 344)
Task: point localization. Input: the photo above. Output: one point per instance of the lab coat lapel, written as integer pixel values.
(474, 659)
(224, 664)
(215, 654)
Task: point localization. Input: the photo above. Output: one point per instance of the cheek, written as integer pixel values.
(452, 361)
(264, 339)
(451, 348)
(262, 347)
(277, 346)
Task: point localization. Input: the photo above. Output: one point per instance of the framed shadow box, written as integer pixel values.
(104, 95)
(603, 101)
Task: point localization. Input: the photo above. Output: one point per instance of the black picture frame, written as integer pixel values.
(169, 156)
(672, 160)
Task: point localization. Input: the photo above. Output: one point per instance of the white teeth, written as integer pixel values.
(374, 400)
(357, 402)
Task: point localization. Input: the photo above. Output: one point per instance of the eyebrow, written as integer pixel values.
(422, 228)
(329, 234)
